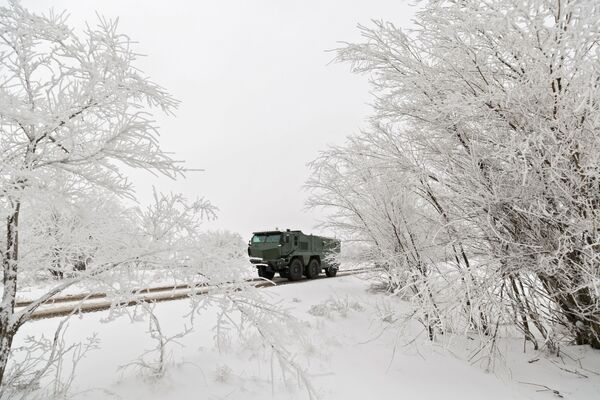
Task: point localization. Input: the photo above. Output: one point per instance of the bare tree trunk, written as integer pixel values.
(522, 312)
(7, 307)
(575, 305)
(6, 338)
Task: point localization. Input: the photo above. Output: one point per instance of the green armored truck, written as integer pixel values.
(292, 254)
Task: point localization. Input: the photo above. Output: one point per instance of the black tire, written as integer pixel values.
(283, 274)
(264, 273)
(331, 272)
(296, 269)
(314, 269)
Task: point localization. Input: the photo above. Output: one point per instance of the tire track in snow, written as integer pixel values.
(95, 302)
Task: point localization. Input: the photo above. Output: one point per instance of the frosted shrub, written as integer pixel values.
(223, 374)
(335, 306)
(476, 186)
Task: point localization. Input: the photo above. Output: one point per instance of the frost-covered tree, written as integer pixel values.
(377, 200)
(73, 111)
(64, 235)
(495, 106)
(72, 106)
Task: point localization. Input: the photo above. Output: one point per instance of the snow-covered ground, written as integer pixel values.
(358, 350)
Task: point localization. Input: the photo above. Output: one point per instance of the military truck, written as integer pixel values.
(292, 254)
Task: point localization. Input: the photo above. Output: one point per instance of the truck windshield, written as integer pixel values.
(273, 238)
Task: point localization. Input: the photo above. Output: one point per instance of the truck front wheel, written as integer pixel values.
(296, 268)
(331, 272)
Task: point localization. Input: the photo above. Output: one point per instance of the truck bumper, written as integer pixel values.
(276, 265)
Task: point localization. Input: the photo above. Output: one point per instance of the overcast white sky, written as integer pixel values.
(259, 99)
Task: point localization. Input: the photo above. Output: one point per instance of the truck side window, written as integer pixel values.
(287, 238)
(295, 240)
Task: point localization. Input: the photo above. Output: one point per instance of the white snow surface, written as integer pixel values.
(357, 352)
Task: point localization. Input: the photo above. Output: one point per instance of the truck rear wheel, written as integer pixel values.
(331, 272)
(296, 268)
(264, 273)
(314, 268)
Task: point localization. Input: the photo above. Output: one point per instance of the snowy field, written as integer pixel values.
(358, 350)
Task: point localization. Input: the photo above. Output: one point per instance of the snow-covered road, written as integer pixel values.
(86, 302)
